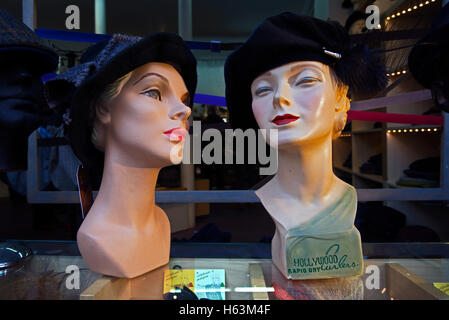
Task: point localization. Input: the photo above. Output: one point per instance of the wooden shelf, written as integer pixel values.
(368, 131)
(344, 169)
(413, 127)
(371, 177)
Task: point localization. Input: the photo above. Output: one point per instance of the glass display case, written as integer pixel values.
(392, 271)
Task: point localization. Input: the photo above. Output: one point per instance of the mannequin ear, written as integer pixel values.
(103, 114)
(342, 102)
(342, 105)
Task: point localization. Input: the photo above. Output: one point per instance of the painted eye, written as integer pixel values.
(306, 81)
(153, 93)
(262, 91)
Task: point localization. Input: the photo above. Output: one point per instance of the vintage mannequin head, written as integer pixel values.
(310, 93)
(133, 117)
(289, 38)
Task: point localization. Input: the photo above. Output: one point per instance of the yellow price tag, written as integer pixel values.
(443, 286)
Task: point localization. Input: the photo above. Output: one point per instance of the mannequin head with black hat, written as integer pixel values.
(132, 102)
(428, 60)
(24, 58)
(293, 75)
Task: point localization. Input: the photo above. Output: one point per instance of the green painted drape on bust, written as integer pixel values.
(328, 245)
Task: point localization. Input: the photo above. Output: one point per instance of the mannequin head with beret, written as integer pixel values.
(294, 75)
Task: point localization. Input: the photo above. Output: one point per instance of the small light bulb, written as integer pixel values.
(399, 131)
(398, 14)
(403, 11)
(429, 129)
(393, 16)
(420, 4)
(427, 2)
(435, 129)
(422, 130)
(409, 9)
(388, 18)
(404, 71)
(394, 131)
(415, 7)
(416, 130)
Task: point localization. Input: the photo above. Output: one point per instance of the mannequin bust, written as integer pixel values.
(140, 124)
(313, 210)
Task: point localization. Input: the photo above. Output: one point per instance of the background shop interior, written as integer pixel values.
(368, 155)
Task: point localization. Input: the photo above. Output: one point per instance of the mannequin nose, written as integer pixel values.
(282, 97)
(181, 112)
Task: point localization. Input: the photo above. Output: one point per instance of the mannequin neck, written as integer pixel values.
(305, 171)
(126, 194)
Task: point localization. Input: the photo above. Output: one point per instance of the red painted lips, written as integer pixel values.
(284, 119)
(176, 134)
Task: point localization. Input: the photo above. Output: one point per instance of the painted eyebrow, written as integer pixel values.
(149, 74)
(302, 66)
(184, 97)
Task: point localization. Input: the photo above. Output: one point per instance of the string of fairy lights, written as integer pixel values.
(397, 72)
(415, 130)
(401, 131)
(410, 9)
(399, 13)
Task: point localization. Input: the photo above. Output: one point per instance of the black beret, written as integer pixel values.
(290, 37)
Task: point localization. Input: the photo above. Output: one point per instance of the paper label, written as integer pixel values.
(205, 283)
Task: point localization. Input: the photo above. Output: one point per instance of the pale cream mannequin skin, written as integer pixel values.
(304, 183)
(125, 234)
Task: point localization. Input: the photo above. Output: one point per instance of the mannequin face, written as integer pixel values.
(21, 94)
(299, 100)
(22, 105)
(146, 123)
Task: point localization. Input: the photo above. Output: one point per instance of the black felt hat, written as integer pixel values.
(289, 37)
(426, 57)
(114, 59)
(17, 37)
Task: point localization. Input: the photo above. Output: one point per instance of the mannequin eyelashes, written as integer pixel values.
(157, 87)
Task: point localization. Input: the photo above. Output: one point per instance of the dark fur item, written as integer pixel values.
(362, 70)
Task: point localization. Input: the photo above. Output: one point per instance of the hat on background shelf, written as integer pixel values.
(428, 60)
(17, 37)
(289, 37)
